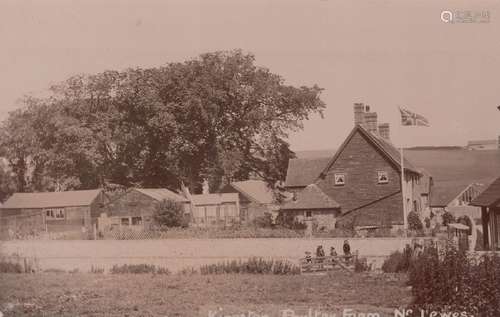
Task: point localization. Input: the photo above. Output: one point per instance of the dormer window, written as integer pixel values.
(339, 179)
(383, 177)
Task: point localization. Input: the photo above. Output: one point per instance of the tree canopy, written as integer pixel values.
(217, 117)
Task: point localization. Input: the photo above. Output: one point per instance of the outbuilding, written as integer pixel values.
(489, 201)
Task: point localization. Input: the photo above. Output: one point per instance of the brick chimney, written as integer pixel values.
(371, 122)
(384, 131)
(359, 114)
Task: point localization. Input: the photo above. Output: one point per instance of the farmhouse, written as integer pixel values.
(489, 201)
(255, 196)
(215, 209)
(364, 177)
(52, 211)
(135, 208)
(312, 205)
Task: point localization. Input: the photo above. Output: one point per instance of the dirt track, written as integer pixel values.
(180, 253)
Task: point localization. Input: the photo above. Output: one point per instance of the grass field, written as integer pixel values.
(85, 294)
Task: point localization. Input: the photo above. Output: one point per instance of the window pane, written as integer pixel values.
(125, 222)
(136, 221)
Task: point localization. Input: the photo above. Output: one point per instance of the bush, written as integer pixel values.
(287, 220)
(361, 265)
(251, 266)
(451, 282)
(8, 267)
(170, 213)
(398, 262)
(265, 221)
(447, 218)
(414, 222)
(138, 269)
(427, 221)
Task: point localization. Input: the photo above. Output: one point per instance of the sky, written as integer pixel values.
(383, 53)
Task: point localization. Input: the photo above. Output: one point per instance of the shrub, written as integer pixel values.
(427, 221)
(414, 222)
(451, 282)
(251, 266)
(265, 221)
(170, 213)
(287, 220)
(8, 267)
(96, 270)
(361, 265)
(398, 262)
(447, 218)
(138, 269)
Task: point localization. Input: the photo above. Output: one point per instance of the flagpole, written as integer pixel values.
(405, 217)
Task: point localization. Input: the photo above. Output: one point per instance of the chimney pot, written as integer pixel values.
(384, 131)
(359, 116)
(371, 122)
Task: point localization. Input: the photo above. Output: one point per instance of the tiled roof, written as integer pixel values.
(51, 199)
(214, 199)
(162, 194)
(302, 172)
(442, 193)
(490, 196)
(383, 145)
(311, 197)
(393, 153)
(457, 165)
(255, 190)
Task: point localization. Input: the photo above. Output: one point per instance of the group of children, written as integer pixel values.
(320, 253)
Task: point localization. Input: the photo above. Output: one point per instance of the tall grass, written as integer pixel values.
(251, 266)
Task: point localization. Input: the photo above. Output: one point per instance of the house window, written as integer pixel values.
(383, 177)
(125, 221)
(308, 214)
(55, 213)
(339, 179)
(136, 221)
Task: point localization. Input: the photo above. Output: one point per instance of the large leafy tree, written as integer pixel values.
(218, 117)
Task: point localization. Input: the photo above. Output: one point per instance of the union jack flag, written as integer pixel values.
(409, 118)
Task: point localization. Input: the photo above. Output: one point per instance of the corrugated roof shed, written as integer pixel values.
(51, 199)
(214, 199)
(162, 194)
(255, 190)
(490, 197)
(311, 197)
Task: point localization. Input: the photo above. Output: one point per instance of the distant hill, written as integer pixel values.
(445, 163)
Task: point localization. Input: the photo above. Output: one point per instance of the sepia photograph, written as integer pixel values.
(249, 158)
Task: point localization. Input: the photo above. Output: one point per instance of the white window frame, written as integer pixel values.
(380, 174)
(337, 177)
(55, 213)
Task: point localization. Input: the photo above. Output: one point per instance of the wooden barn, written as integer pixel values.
(52, 211)
(489, 201)
(210, 210)
(135, 207)
(256, 199)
